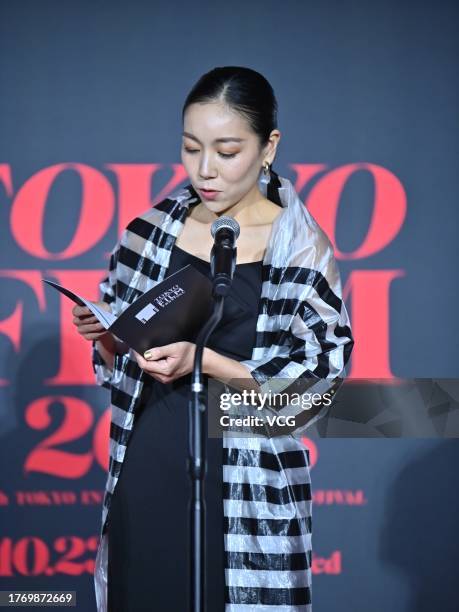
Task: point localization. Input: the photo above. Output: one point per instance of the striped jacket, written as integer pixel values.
(303, 334)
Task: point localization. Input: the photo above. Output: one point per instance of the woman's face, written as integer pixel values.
(220, 152)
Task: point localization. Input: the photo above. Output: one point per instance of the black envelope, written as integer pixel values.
(173, 310)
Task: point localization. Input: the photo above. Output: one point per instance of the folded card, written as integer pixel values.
(175, 309)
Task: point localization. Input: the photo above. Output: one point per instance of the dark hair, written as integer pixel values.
(245, 91)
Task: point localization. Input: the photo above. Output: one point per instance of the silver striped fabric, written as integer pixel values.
(303, 334)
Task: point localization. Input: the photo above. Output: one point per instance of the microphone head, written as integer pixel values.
(227, 222)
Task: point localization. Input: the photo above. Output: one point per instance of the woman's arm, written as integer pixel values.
(227, 370)
(106, 347)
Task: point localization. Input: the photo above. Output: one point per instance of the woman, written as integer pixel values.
(286, 323)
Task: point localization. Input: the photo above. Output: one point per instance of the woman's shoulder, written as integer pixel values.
(161, 215)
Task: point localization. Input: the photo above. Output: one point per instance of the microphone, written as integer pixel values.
(225, 231)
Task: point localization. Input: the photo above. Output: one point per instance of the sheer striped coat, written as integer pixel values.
(303, 334)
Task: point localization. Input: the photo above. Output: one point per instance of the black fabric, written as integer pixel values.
(148, 533)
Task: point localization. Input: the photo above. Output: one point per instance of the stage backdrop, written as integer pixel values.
(91, 95)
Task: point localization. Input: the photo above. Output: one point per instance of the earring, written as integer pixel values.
(266, 168)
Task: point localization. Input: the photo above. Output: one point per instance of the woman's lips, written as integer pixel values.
(208, 194)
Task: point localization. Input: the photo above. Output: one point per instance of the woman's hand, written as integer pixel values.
(169, 362)
(87, 324)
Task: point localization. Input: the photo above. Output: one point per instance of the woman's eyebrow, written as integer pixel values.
(223, 139)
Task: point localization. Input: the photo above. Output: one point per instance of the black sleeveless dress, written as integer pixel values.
(148, 536)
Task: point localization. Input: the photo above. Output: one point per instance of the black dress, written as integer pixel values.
(148, 535)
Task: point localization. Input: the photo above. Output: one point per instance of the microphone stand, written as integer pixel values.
(197, 445)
